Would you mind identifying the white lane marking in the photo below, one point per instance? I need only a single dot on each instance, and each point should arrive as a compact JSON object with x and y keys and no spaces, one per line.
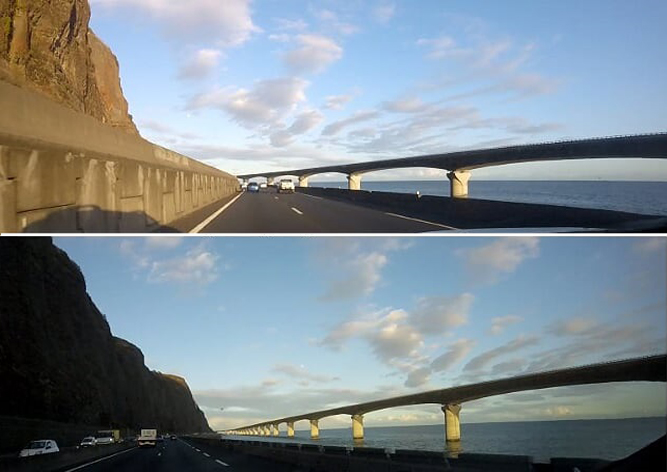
{"x":206,"y":455}
{"x":222,"y":463}
{"x":159,"y":454}
{"x":420,"y":221}
{"x":204,"y":223}
{"x":312,"y":196}
{"x":297,"y":211}
{"x":197,"y":450}
{"x":100,"y":460}
{"x":275,"y":198}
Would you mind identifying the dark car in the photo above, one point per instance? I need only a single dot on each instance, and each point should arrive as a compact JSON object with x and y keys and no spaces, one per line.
{"x":253,"y":187}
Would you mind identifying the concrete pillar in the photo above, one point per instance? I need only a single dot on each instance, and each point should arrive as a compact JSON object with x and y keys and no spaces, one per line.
{"x":314,"y":429}
{"x":267,"y":431}
{"x":269,"y":181}
{"x":354,"y":181}
{"x":303,"y":181}
{"x":276,"y":429}
{"x":452,"y":424}
{"x":357,"y":426}
{"x":290,"y":429}
{"x":458,"y":183}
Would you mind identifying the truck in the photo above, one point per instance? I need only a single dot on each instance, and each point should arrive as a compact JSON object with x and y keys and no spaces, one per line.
{"x":148,"y":438}
{"x":107,"y":436}
{"x":286,"y":185}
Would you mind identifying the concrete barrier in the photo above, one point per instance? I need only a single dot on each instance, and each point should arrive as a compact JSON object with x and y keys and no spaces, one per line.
{"x":62,"y":171}
{"x":478,"y":214}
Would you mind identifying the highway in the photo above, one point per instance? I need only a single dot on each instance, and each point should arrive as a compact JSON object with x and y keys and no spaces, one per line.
{"x":271,"y":212}
{"x":177,"y":456}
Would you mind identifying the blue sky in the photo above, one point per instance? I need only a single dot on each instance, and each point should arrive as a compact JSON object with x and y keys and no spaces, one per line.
{"x":270,"y":327}
{"x":267,"y":85}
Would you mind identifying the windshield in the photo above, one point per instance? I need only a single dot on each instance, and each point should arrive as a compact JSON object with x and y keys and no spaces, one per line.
{"x":36,"y":445}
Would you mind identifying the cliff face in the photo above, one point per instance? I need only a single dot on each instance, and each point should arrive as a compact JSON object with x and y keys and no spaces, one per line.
{"x":59,"y":360}
{"x":46,"y":45}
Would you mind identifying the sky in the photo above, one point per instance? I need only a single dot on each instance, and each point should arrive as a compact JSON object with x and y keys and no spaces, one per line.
{"x":270,"y":85}
{"x":263,"y":328}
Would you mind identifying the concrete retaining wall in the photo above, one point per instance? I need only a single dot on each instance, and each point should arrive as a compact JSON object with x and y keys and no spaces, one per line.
{"x":62,"y":171}
{"x":476,"y":214}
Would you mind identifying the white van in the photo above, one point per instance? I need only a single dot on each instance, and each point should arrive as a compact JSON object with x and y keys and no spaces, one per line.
{"x":42,"y":446}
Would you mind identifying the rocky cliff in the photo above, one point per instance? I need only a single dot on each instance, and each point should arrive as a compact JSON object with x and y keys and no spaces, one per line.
{"x":59,"y":360}
{"x":47,"y":46}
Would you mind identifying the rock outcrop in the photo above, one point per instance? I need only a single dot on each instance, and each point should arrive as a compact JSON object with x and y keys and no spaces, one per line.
{"x":47,"y":46}
{"x":59,"y":360}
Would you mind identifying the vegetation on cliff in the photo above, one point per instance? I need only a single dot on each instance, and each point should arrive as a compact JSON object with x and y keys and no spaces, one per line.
{"x":59,"y":360}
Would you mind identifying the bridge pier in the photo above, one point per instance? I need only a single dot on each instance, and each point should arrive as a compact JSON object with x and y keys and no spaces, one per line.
{"x":269,"y":181}
{"x":276,"y":429}
{"x":303,"y":181}
{"x":354,"y":181}
{"x":458,"y":183}
{"x":452,"y":424}
{"x":265,"y":431}
{"x":290,"y":429}
{"x":357,"y":426}
{"x":314,"y":429}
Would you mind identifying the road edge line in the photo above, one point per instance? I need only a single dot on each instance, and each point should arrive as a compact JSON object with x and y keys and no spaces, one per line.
{"x":208,"y":220}
{"x":101,"y":459}
{"x":222,"y":463}
{"x":420,"y":221}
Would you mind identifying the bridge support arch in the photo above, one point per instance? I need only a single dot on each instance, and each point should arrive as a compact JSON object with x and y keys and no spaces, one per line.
{"x":276,"y":429}
{"x":452,"y":423}
{"x":290,"y":429}
{"x":458,"y":183}
{"x":357,"y":426}
{"x":314,"y":429}
{"x":354,"y":181}
{"x":303,"y":181}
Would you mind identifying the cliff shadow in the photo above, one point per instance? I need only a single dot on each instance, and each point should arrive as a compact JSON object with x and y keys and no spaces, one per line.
{"x":93,"y":219}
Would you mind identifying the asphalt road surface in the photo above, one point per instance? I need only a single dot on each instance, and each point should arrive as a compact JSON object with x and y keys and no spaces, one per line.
{"x":271,"y":212}
{"x":178,"y":456}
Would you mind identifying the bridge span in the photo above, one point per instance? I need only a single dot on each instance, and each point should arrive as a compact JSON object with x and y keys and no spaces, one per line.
{"x":459,"y":164}
{"x":649,"y":369}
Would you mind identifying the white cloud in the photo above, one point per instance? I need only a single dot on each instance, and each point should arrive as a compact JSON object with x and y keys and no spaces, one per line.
{"x":280,"y":38}
{"x":267,"y":102}
{"x":290,"y":25}
{"x":358,"y":117}
{"x":226,"y":23}
{"x":405,"y":105}
{"x":441,"y":47}
{"x":572,"y":326}
{"x":303,"y":122}
{"x":418,"y":377}
{"x":336,"y":102}
{"x":383,"y":13}
{"x":361,"y":277}
{"x":481,"y":361}
{"x":314,"y":54}
{"x":438,"y":315}
{"x":559,"y":411}
{"x":300,"y":372}
{"x":201,"y":64}
{"x":455,"y":353}
{"x":502,"y":256}
{"x":197,"y":266}
{"x":650,"y":245}
{"x":162,"y":242}
{"x":498,"y":323}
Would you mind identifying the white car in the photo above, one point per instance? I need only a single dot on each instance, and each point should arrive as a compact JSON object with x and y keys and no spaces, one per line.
{"x":104,"y":440}
{"x":88,"y":441}
{"x":43,"y":446}
{"x":286,"y":185}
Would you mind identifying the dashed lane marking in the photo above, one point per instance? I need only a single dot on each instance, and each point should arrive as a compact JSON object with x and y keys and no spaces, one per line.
{"x":420,"y":221}
{"x":207,"y":455}
{"x":205,"y":223}
{"x":100,"y":460}
{"x":295,"y":210}
{"x":222,"y":463}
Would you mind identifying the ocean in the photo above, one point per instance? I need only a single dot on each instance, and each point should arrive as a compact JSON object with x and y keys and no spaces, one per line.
{"x":609,"y":439}
{"x":649,"y":198}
